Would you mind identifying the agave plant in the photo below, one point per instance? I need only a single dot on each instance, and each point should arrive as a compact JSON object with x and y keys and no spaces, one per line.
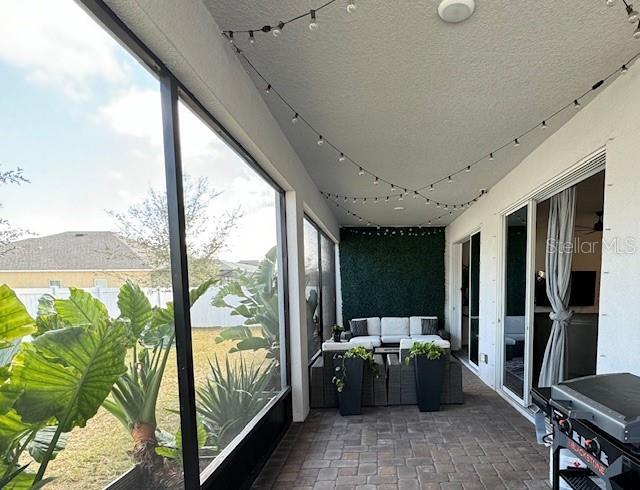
{"x":150,"y":336}
{"x":258,"y":293}
{"x":54,"y":383}
{"x":232,"y":396}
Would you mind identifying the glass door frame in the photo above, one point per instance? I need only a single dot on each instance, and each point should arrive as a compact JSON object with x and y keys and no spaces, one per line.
{"x":531,"y":205}
{"x":471,"y":292}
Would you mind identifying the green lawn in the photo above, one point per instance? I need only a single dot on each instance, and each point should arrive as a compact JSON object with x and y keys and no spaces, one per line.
{"x":99,"y":453}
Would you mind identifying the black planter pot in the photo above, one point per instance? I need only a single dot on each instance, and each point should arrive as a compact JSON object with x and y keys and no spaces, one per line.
{"x":350,"y":398}
{"x":429,"y":378}
{"x":336,"y":337}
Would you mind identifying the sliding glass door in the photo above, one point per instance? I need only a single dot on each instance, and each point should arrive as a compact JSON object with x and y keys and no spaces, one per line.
{"x":515,"y":332}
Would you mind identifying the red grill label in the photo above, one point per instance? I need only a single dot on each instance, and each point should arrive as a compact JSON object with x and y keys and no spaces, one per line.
{"x":587,"y":457}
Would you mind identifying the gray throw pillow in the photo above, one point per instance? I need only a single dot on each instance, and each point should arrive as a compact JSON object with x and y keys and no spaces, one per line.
{"x":358,"y":328}
{"x":429,"y":326}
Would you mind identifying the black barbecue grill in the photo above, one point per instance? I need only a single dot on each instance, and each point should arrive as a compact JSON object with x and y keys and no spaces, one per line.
{"x":597,"y":418}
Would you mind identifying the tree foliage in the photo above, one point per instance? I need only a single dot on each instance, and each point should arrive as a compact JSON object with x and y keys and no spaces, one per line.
{"x":9,"y":233}
{"x":145,"y":226}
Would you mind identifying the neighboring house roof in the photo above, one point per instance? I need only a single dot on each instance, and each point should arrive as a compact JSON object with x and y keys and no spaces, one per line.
{"x":73,"y":251}
{"x":227,"y":268}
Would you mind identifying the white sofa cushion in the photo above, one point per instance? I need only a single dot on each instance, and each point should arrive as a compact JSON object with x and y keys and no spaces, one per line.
{"x":369,"y":341}
{"x":393,"y":339}
{"x":407,"y":343}
{"x":373,"y":325}
{"x":415,"y":324}
{"x":390,"y":325}
{"x":331,"y":346}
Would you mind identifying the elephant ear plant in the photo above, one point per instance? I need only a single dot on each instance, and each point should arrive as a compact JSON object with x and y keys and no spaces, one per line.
{"x":53,"y":383}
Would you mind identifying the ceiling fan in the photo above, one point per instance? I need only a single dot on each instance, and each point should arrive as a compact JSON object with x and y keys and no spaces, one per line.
{"x":598,"y":226}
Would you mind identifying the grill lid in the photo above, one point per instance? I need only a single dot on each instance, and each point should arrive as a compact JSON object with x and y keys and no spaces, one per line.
{"x":609,"y":401}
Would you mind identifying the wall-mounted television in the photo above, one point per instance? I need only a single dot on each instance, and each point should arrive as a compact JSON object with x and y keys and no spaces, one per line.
{"x":583,"y":289}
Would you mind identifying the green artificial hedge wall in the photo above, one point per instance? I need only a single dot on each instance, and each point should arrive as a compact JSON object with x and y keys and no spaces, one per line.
{"x":392,"y":272}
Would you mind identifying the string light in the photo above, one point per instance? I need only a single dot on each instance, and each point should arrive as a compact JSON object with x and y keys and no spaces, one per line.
{"x":313,"y":23}
{"x":376,"y":181}
{"x":544,"y":125}
{"x":361,"y":172}
{"x":465,"y":168}
{"x":320,"y":140}
{"x":351,"y":6}
{"x":415,"y":194}
{"x":278,"y":29}
{"x":252,"y":38}
{"x":632,"y":14}
{"x":450,"y":180}
{"x":468,"y":169}
{"x":267,"y":90}
{"x":576,"y":104}
{"x":341,"y":158}
{"x":624,"y":68}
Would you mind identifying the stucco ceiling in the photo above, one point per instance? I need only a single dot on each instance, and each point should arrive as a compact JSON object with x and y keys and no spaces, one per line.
{"x":413,"y":98}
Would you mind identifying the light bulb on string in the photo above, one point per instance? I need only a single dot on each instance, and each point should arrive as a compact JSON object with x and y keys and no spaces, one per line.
{"x":401,"y":198}
{"x":386,"y":199}
{"x":624,"y":69}
{"x":544,"y":125}
{"x":294,"y":119}
{"x":491,"y":157}
{"x":427,"y":201}
{"x":632,"y":14}
{"x":576,"y":104}
{"x":450,"y":180}
{"x":341,"y":158}
{"x":393,"y":188}
{"x":468,"y":169}
{"x":376,"y":181}
{"x":611,"y":3}
{"x":516,"y":142}
{"x":313,"y":23}
{"x":230,"y":36}
{"x":432,"y":187}
{"x":267,"y":90}
{"x":415,"y":194}
{"x":351,"y":6}
{"x":252,"y":38}
{"x":278,"y":29}
{"x":320,"y":140}
{"x":361,"y":171}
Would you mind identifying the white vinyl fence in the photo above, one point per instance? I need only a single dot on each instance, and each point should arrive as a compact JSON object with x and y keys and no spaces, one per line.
{"x":203,"y":314}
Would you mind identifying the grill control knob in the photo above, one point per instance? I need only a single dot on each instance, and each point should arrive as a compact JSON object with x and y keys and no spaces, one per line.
{"x":592,"y":446}
{"x":565,"y":426}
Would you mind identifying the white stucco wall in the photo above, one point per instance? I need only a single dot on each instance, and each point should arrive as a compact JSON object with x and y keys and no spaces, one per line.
{"x":186,"y":38}
{"x":611,"y":120}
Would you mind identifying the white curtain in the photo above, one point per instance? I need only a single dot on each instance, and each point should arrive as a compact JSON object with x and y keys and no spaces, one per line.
{"x":559,"y":252}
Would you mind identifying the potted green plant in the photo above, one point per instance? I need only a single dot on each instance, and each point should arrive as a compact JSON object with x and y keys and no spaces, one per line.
{"x":349,"y":371}
{"x":337,"y":332}
{"x":428,"y":361}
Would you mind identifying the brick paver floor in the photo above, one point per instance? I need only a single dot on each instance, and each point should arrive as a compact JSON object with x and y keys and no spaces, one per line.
{"x":483,"y":444}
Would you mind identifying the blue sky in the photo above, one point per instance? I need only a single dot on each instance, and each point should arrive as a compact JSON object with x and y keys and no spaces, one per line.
{"x":82,"y":118}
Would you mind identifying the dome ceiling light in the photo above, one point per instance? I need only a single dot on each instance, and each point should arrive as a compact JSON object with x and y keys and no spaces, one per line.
{"x":455,"y":11}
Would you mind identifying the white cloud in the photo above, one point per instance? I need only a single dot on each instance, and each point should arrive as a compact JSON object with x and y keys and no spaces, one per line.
{"x":58,"y":45}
